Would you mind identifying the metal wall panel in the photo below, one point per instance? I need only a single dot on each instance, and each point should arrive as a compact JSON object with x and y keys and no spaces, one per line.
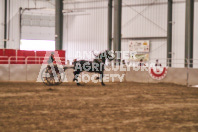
{"x":195,"y":52}
{"x":1,"y":24}
{"x":178,"y":38}
{"x":14,"y":19}
{"x":140,"y":18}
{"x":146,"y":18}
{"x":4,"y":72}
{"x":144,"y":21}
{"x":13,"y":42}
{"x":38,"y":33}
{"x":87,"y":32}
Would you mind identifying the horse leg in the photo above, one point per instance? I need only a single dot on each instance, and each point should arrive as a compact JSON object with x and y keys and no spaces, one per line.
{"x":76,"y":74}
{"x":97,"y":78}
{"x":101,"y":77}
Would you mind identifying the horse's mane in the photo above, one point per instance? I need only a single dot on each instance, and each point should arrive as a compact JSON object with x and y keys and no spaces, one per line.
{"x":102,"y":56}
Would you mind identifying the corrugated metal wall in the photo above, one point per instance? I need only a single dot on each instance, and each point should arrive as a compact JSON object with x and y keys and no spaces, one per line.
{"x":178,"y":39}
{"x":1,"y":24}
{"x":145,"y":18}
{"x":30,"y":31}
{"x":140,"y":18}
{"x":85,"y":29}
{"x":39,"y":24}
{"x":196,"y":34}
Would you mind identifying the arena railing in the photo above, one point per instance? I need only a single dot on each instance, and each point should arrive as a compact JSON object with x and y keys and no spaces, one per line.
{"x":43,"y":60}
{"x":193,"y":62}
{"x":176,"y":63}
{"x":28,"y":60}
{"x":4,"y":59}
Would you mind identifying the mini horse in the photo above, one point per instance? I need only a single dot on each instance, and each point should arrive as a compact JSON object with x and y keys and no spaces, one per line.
{"x":96,"y":66}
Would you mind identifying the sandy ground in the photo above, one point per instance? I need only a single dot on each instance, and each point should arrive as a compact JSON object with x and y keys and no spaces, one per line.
{"x":116,"y":107}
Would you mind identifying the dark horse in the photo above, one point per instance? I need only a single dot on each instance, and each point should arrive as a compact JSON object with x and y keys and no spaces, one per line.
{"x":96,"y":66}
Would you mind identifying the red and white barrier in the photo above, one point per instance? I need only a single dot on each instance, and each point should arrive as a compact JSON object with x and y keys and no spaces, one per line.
{"x":11,"y":56}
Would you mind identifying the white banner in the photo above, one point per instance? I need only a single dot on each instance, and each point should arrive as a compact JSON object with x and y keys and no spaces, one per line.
{"x":139,"y":46}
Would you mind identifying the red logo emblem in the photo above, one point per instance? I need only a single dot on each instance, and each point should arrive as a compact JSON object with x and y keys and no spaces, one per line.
{"x":157,"y":72}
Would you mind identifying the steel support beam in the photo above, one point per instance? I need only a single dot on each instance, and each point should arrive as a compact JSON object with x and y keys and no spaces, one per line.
{"x":109,"y":37}
{"x":189,"y":31}
{"x":5,"y":24}
{"x":21,"y":10}
{"x":59,"y":25}
{"x":117,"y":29}
{"x":169,"y":33}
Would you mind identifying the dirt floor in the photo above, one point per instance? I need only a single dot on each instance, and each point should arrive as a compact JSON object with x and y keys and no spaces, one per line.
{"x":116,"y":107}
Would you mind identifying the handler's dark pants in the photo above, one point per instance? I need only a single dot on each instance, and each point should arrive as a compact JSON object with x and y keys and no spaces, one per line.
{"x":49,"y":67}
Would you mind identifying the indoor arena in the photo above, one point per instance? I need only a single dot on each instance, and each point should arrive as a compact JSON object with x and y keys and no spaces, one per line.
{"x":99,"y":65}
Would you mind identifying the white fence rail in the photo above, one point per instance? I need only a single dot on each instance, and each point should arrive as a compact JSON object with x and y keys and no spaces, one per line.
{"x":28,"y":59}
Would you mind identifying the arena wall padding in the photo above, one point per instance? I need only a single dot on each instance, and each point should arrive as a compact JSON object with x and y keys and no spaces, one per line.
{"x":69,"y":75}
{"x":193,"y":76}
{"x":1,"y":52}
{"x":2,"y":59}
{"x":174,"y":75}
{"x":112,"y":76}
{"x":41,"y":54}
{"x":20,"y":60}
{"x":17,"y":72}
{"x":137,"y":76}
{"x":61,"y":54}
{"x":4,"y":72}
{"x":33,"y":72}
{"x":31,"y":55}
{"x":9,"y":53}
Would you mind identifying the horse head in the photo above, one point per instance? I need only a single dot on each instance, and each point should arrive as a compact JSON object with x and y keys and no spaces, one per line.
{"x":109,"y":55}
{"x":104,"y":55}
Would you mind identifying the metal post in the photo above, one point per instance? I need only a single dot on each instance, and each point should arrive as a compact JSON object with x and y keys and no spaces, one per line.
{"x":5,"y":25}
{"x":189,"y":32}
{"x":187,"y":78}
{"x":20,"y":23}
{"x":59,"y":25}
{"x":169,"y":33}
{"x":26,"y":68}
{"x":117,"y":29}
{"x":9,"y":66}
{"x":109,"y":37}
